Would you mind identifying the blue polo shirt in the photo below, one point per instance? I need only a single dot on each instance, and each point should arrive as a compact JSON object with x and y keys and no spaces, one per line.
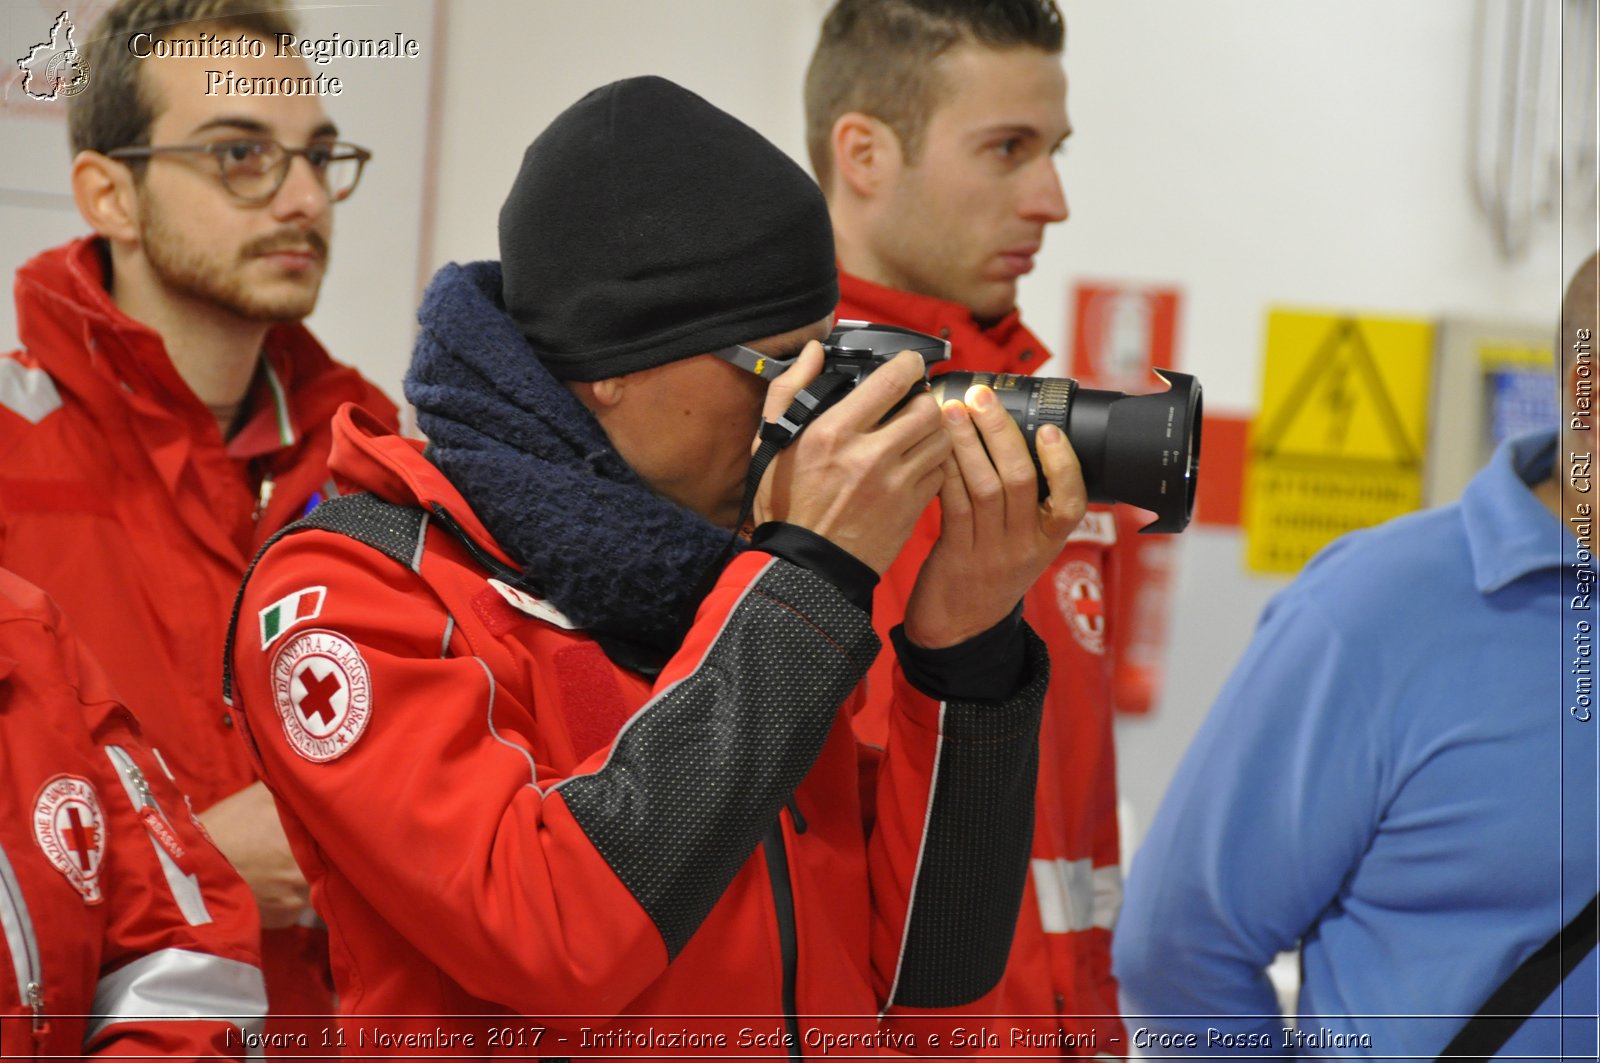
{"x":1400,"y":778}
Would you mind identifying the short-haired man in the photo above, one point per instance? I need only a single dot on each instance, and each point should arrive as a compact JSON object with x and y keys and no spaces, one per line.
{"x":168,"y":413}
{"x":557,"y":743}
{"x":932,"y":126}
{"x":1399,"y":778}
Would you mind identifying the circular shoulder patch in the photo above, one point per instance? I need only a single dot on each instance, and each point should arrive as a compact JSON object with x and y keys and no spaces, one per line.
{"x":1080,"y":595}
{"x":71,"y":829}
{"x":323,"y":693}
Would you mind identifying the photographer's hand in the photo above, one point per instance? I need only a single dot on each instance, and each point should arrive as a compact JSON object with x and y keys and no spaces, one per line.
{"x":996,"y":537}
{"x":859,"y":483}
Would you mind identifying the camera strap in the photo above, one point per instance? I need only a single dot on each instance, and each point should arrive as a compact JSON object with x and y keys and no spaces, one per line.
{"x":775,"y":435}
{"x":1524,"y":989}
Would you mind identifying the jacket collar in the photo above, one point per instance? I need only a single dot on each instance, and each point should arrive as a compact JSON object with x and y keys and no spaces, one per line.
{"x":1006,"y":346}
{"x":70,"y":325}
{"x":367,"y":456}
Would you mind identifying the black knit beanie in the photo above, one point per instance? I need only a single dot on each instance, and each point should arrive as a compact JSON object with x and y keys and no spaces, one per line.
{"x":646,"y":226}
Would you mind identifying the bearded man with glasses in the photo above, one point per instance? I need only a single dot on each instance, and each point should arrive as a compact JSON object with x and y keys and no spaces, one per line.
{"x":168,"y":412}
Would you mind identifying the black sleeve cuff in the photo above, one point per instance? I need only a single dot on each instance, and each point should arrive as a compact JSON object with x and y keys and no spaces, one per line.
{"x":801,"y":546}
{"x":986,"y":667}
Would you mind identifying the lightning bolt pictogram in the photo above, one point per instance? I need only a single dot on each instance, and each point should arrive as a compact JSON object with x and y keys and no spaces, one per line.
{"x":1341,"y":403}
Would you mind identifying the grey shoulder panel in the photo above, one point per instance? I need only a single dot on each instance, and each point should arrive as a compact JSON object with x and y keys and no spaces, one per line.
{"x":976,"y":849}
{"x":699,"y":774}
{"x":395,"y":531}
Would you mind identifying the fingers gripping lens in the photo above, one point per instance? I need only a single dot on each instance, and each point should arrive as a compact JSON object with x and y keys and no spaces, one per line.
{"x":1140,"y":449}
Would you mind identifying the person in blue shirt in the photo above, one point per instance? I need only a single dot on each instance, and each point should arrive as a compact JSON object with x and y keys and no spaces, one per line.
{"x":1399,"y":779}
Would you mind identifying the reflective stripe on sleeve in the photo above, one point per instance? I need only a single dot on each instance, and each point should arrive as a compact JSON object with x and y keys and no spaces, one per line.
{"x":1074,"y":895}
{"x":21,"y":940}
{"x":179,"y":984}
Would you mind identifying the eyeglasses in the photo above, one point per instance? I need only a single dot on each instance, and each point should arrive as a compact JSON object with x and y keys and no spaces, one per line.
{"x":851,"y":343}
{"x":762,"y":365}
{"x":253,"y":170}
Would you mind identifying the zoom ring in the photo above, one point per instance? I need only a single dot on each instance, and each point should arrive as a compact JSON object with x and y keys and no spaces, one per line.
{"x":1052,"y":400}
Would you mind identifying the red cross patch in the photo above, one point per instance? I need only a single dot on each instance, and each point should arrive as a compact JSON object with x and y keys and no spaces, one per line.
{"x":323,"y":693}
{"x":71,"y":829}
{"x":1081,"y":597}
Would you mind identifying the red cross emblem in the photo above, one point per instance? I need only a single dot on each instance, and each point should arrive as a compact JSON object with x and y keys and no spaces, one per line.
{"x":70,"y":829}
{"x":78,"y":838}
{"x":1081,"y":597}
{"x":1086,"y":605}
{"x":317,"y":704}
{"x":323,"y":693}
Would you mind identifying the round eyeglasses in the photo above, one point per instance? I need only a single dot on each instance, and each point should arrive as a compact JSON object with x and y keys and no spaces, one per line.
{"x":254,"y":169}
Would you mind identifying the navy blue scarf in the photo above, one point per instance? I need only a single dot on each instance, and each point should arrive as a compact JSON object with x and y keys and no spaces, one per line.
{"x":539,"y":471}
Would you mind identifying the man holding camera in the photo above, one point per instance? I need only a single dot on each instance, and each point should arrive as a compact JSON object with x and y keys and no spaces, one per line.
{"x":932,"y":126}
{"x":618,"y":735}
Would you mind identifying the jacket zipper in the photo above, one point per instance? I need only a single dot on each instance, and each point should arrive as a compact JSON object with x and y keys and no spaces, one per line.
{"x":133,"y":776}
{"x":173,"y":857}
{"x":24,"y":946}
{"x":149,"y":810}
{"x":783,"y":908}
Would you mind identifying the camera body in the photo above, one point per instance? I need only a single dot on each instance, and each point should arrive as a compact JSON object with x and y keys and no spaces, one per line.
{"x":856,"y":348}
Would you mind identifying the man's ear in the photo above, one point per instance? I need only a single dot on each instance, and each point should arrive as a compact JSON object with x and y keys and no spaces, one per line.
{"x":105,"y":193}
{"x":866,"y":153}
{"x":599,"y":395}
{"x":608,"y":392}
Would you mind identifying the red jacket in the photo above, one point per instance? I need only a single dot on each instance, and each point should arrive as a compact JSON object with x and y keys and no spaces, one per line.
{"x":497,"y":820}
{"x":120,"y":498}
{"x":122,"y":930}
{"x":1061,"y":959}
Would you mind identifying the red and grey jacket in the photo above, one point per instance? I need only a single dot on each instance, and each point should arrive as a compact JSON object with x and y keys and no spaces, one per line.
{"x":496,"y":819}
{"x":119,"y":496}
{"x":125,"y":932}
{"x":1060,"y":962}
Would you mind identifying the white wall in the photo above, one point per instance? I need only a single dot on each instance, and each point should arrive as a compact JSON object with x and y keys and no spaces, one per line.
{"x":1253,"y":152}
{"x":1261,"y":153}
{"x":746,"y":57}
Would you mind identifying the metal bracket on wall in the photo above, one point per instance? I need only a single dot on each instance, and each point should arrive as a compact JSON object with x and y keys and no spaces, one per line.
{"x":1533,"y":113}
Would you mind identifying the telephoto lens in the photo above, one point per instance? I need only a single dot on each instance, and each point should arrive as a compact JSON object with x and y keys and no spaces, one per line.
{"x":1140,"y":449}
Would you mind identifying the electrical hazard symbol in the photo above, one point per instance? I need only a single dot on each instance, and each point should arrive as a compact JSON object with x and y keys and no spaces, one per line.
{"x":1340,"y":439}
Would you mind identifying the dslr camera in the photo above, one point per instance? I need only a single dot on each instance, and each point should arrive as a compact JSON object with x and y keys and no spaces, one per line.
{"x":1140,"y":449}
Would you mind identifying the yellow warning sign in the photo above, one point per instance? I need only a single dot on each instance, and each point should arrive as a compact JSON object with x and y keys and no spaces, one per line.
{"x":1339,"y":441}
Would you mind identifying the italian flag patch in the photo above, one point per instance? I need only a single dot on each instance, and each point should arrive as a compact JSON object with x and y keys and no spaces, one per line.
{"x":285,"y":613}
